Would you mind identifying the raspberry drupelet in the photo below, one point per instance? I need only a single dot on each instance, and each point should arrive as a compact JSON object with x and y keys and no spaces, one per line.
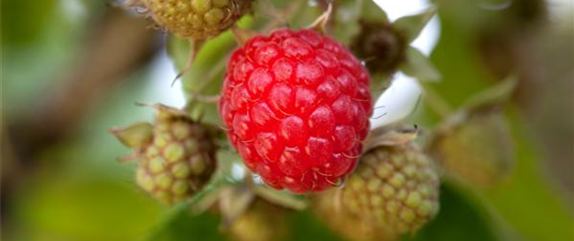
{"x":296,"y":105}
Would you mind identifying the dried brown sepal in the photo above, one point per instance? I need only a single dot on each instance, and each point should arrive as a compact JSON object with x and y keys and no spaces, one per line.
{"x":393,"y":136}
{"x":134,"y":156}
{"x":167,"y":113}
{"x":234,"y":202}
{"x":279,"y":198}
{"x":195,"y":46}
{"x":320,"y":24}
{"x":134,"y":3}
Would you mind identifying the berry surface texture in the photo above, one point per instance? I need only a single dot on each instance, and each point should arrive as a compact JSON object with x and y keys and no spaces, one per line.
{"x":394,"y":188}
{"x":199,"y":19}
{"x":179,"y":161}
{"x":296,"y":105}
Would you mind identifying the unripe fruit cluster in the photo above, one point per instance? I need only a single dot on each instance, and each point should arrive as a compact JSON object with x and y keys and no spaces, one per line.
{"x":178,"y":162}
{"x":262,"y":221}
{"x":197,"y":19}
{"x":477,"y":150}
{"x":176,"y":155}
{"x":394,"y":187}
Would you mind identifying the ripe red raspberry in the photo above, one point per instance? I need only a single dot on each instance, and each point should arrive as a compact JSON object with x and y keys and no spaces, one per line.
{"x":297,"y":107}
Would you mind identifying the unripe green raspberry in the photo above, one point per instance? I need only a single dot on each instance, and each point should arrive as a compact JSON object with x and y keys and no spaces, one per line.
{"x":178,"y":159}
{"x":395,"y":187}
{"x":197,"y":19}
{"x":262,"y":221}
{"x":393,"y":191}
{"x":475,"y":148}
{"x":351,"y":227}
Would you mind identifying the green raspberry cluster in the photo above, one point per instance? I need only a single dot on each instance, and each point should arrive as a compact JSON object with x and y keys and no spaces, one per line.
{"x":176,"y":155}
{"x":477,"y":150}
{"x":197,"y":19}
{"x":351,"y":227}
{"x":262,"y":221}
{"x":394,"y":188}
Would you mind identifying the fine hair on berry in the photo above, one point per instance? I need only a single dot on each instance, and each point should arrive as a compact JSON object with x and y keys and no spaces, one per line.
{"x":296,"y":105}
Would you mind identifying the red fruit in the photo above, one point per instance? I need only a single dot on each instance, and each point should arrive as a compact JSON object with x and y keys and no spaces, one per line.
{"x":295,"y":104}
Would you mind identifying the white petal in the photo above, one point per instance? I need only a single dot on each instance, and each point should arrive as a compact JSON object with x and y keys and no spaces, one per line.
{"x":397,"y":102}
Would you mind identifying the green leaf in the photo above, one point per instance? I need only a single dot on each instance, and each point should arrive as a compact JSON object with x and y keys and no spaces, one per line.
{"x":346,"y":20}
{"x":372,"y":12}
{"x":411,"y":26}
{"x":417,"y":65}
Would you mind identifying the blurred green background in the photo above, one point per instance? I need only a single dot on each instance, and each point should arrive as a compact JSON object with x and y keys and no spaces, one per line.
{"x":73,"y":68}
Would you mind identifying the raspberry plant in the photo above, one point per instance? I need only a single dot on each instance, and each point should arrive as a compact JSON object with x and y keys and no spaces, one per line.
{"x":296,"y":105}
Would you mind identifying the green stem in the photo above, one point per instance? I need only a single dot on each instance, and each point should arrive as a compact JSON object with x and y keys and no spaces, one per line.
{"x":171,"y":215}
{"x":435,"y":101}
